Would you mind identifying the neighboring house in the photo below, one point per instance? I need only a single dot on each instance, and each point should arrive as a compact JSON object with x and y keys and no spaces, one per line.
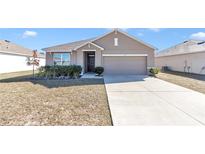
{"x":188,"y":56}
{"x":13,"y":57}
{"x":116,"y":51}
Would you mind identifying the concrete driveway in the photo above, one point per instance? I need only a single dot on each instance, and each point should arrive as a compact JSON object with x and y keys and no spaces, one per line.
{"x":143,"y":100}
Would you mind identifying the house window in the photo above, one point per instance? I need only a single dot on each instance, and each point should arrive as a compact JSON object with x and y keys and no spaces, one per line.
{"x":61,"y":58}
{"x":115,"y":41}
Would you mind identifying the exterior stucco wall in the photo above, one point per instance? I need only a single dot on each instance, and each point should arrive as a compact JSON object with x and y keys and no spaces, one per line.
{"x":49,"y":58}
{"x":98,"y":58}
{"x":15,"y":63}
{"x":196,"y":61}
{"x":73,"y":58}
{"x":126,"y":45}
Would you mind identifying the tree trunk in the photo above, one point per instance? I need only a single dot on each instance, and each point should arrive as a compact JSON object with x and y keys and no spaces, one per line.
{"x":33,"y":70}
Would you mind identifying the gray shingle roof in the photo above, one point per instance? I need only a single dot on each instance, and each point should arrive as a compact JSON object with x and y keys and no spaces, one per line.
{"x":12,"y":48}
{"x":67,"y":46}
{"x":189,"y":46}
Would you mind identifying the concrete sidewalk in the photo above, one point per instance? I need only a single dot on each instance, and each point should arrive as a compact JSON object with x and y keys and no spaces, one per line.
{"x":143,"y":100}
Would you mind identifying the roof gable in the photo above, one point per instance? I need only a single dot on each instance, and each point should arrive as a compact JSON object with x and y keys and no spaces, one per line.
{"x":89,"y":43}
{"x":128,"y":35}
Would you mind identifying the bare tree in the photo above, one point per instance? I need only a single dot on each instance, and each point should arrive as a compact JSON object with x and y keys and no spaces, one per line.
{"x":34,"y":61}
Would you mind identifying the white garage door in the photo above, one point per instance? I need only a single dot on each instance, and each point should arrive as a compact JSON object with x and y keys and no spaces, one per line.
{"x":125,"y":65}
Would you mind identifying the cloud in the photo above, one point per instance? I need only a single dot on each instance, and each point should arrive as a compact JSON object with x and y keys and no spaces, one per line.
{"x":199,"y":36}
{"x":29,"y":34}
{"x":154,"y":29}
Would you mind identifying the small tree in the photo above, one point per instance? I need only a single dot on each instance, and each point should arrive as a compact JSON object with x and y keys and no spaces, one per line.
{"x":33,"y":61}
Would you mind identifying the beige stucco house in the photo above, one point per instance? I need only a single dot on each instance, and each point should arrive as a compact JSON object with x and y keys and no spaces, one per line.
{"x":116,"y":51}
{"x":188,"y":56}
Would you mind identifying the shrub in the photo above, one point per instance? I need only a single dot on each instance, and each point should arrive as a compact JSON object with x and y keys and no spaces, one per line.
{"x":99,"y":70}
{"x":56,"y":71}
{"x":154,"y":71}
{"x":74,"y":71}
{"x":49,"y":71}
{"x":61,"y":70}
{"x":41,"y":72}
{"x":45,"y":71}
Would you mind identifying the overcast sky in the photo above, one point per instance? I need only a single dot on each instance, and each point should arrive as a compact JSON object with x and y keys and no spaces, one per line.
{"x":38,"y":38}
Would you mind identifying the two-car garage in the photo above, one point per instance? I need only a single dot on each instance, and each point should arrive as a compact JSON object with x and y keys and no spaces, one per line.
{"x":129,"y":64}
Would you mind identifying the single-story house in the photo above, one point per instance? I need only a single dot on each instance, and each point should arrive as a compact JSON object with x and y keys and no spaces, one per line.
{"x":14,"y":58}
{"x":116,"y":51}
{"x":188,"y":56}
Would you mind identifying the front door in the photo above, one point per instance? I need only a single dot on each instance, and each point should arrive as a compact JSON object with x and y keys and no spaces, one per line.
{"x":91,"y":62}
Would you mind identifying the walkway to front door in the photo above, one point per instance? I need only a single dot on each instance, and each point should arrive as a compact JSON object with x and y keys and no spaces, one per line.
{"x":143,"y":100}
{"x":91,"y":75}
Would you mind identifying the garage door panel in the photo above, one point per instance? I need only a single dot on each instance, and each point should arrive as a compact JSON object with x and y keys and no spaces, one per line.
{"x":124,"y":65}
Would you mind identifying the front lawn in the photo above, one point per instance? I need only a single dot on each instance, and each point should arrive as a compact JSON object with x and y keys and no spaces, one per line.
{"x":16,"y":75}
{"x":51,"y":102}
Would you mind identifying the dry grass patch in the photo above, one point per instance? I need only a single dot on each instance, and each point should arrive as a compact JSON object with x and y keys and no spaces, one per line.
{"x":194,"y":82}
{"x":16,"y":75}
{"x":73,"y":102}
